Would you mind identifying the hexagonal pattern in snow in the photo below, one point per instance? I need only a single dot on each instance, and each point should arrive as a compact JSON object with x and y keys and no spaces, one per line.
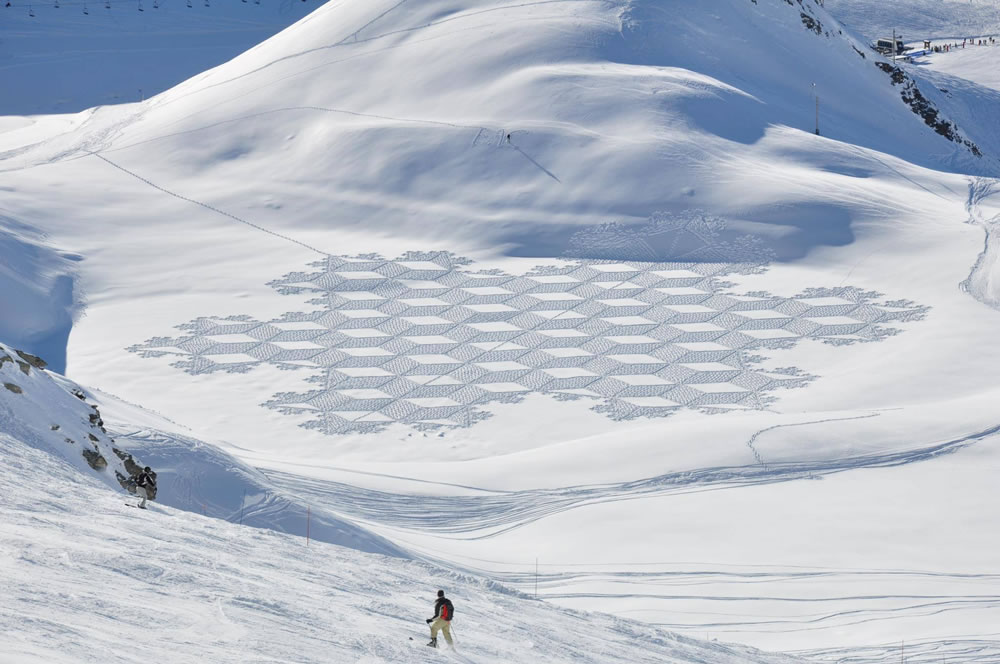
{"x":425,"y":340}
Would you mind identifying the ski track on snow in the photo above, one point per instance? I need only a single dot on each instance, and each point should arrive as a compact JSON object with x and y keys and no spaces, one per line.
{"x":86,"y":579}
{"x":692,"y":587}
{"x":982,"y":282}
{"x":487,"y":516}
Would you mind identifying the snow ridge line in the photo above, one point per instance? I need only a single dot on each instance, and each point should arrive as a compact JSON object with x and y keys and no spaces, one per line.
{"x":347,"y":41}
{"x":210,"y":207}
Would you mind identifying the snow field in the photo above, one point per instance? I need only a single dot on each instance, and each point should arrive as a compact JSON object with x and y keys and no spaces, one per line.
{"x":88,"y":579}
{"x":625,"y":120}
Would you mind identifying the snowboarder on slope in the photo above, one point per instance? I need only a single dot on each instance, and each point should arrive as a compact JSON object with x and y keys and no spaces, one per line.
{"x":441,"y":622}
{"x":145,"y":485}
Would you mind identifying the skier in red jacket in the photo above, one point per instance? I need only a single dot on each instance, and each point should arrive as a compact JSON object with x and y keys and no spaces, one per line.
{"x":444,"y":610}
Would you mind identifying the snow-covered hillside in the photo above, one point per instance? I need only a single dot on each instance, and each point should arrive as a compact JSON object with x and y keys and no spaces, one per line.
{"x":48,"y":412}
{"x":569,"y":281}
{"x":87,"y":579}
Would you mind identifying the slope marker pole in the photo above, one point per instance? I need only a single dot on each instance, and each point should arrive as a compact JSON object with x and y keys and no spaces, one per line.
{"x":816,"y":96}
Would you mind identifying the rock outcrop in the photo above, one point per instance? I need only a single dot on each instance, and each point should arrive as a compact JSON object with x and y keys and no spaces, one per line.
{"x":95,"y":459}
{"x":44,"y":408}
{"x":32,"y":360}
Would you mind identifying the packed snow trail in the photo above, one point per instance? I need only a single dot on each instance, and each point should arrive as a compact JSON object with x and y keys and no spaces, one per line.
{"x":493,"y":513}
{"x":87,"y":579}
{"x":209,"y":207}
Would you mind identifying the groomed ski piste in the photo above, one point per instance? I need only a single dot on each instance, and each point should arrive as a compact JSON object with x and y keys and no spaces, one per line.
{"x":562,"y":297}
{"x":88,"y":580}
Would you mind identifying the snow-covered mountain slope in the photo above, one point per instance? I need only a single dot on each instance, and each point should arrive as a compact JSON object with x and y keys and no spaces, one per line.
{"x":578,"y":344}
{"x":977,"y":64}
{"x":918,"y":19}
{"x":36,"y":292}
{"x":52,"y":414}
{"x":64,"y":56}
{"x":87,"y":579}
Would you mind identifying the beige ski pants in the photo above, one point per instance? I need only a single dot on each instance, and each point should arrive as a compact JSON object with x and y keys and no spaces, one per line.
{"x":443,"y":626}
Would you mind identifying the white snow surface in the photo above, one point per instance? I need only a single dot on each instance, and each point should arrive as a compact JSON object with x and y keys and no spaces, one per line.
{"x":87,"y":579}
{"x":55,"y":415}
{"x":662,"y":168}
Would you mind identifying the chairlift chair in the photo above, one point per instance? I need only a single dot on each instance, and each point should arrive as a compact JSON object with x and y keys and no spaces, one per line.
{"x":85,"y":12}
{"x":140,"y":5}
{"x":31,"y":12}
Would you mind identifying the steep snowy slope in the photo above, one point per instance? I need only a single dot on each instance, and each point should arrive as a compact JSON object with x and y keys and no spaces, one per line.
{"x":36,"y":292}
{"x":52,"y":414}
{"x":88,"y":580}
{"x":576,"y":343}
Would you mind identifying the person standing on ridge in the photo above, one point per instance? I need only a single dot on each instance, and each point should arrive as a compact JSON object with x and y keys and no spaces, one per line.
{"x":444,"y":611}
{"x":145,"y":485}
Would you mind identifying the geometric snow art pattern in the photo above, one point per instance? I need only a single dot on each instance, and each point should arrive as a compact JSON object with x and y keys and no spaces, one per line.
{"x":423,"y":340}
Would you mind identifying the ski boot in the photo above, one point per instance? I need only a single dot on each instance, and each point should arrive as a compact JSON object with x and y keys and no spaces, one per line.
{"x":433,"y":643}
